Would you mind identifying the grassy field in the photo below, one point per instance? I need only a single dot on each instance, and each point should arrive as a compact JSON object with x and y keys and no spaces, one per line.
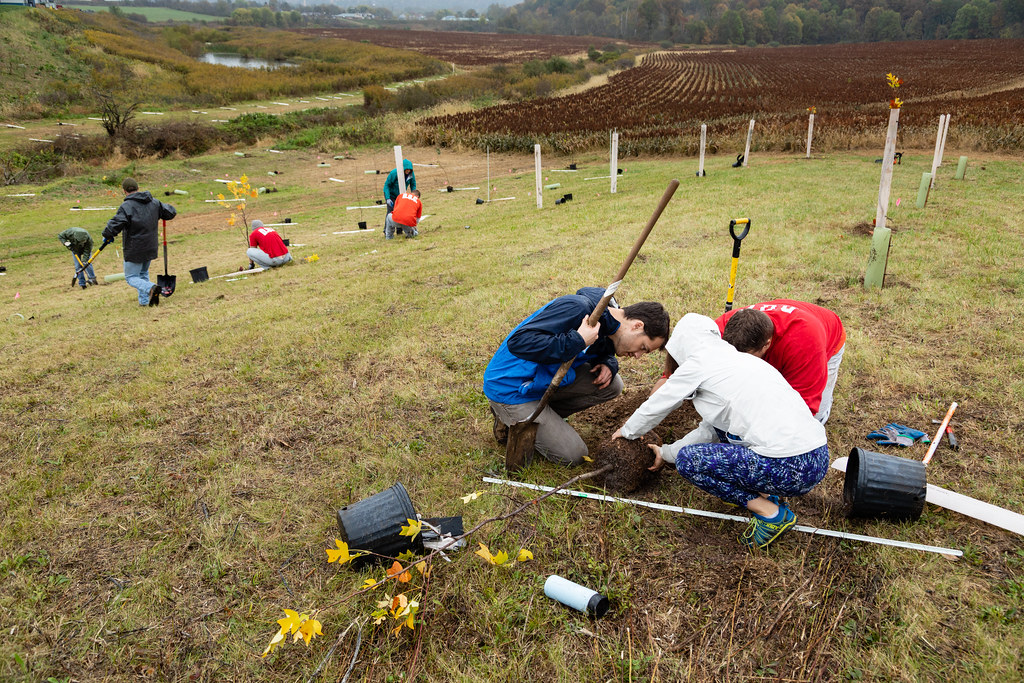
{"x":154,"y":13}
{"x":172,"y":473}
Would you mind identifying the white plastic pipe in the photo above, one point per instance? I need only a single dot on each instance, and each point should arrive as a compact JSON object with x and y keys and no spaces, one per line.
{"x":400,"y":172}
{"x":614,"y":171}
{"x":703,"y":146}
{"x":572,"y":594}
{"x":537,"y":173}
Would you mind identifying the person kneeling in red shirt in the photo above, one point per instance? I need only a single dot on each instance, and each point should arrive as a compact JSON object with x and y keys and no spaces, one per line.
{"x":405,"y":216}
{"x":266,"y":248}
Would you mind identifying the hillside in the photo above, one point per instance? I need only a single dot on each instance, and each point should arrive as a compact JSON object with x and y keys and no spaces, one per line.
{"x":59,"y":63}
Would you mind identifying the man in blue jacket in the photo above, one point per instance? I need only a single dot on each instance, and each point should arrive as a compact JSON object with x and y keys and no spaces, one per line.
{"x":392,"y":190}
{"x":138,"y":222}
{"x":523,"y":366}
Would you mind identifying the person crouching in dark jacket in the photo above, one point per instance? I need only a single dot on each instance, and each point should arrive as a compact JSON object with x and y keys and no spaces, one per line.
{"x":138,"y":218}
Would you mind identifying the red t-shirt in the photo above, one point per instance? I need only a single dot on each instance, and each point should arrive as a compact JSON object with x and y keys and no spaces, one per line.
{"x":269,"y":241}
{"x":408,"y":210}
{"x":806,"y":336}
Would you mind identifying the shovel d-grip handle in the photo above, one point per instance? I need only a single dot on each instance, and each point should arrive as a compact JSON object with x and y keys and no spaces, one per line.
{"x":737,"y":240}
{"x":602,"y":305}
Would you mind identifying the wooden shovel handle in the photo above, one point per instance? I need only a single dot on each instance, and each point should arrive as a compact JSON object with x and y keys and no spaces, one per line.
{"x":602,"y":305}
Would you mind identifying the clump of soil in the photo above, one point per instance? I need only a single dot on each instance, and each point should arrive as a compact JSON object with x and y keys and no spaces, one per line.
{"x":630,"y":460}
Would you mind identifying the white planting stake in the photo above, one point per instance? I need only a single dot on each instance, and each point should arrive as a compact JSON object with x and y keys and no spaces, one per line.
{"x":353,"y":232}
{"x":732,"y":518}
{"x":938,"y":435}
{"x":965,"y":505}
{"x":746,"y":150}
{"x":336,"y":180}
{"x":810,"y":133}
{"x":94,"y":208}
{"x":888,"y":158}
{"x":29,"y":194}
{"x":537,"y":174}
{"x":374,"y":206}
{"x":614,"y":171}
{"x":942,"y":147}
{"x":283,"y":104}
{"x":39,"y":140}
{"x":399,"y":171}
{"x":703,"y":145}
{"x":938,"y":145}
{"x":488,"y":173}
{"x":598,"y":177}
{"x":152,"y":113}
{"x":226,"y":200}
{"x":275,"y":151}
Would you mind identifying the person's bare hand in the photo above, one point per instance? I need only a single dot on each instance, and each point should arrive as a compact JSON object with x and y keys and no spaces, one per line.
{"x":587,"y":331}
{"x":604,"y":376}
{"x":617,"y":434}
{"x":658,"y":462}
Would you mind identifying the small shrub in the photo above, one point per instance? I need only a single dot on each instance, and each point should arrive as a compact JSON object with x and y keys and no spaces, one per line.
{"x":375,"y":98}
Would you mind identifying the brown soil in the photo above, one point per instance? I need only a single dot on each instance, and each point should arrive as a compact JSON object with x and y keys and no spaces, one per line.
{"x":630,"y":460}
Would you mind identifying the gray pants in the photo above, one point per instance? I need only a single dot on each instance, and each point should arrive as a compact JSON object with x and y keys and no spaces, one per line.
{"x":390,"y":226}
{"x":556,"y":440}
{"x":260,"y":258}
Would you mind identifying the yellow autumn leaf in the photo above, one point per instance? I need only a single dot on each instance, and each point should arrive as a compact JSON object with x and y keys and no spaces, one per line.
{"x":275,"y":641}
{"x":290,"y":622}
{"x":472,"y":496}
{"x":422,"y":568}
{"x":588,"y":458}
{"x":370,"y":583}
{"x":309,"y":628}
{"x":244,"y":179}
{"x":231,"y":221}
{"x":501,"y":558}
{"x":254,"y":193}
{"x":406,"y":556}
{"x":395,"y":570}
{"x":485,"y":553}
{"x":220,"y":197}
{"x":524,"y":556}
{"x":341,"y":555}
{"x":412,"y":529}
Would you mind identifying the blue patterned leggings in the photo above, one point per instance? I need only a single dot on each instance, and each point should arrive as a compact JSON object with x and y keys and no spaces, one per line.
{"x":737,"y":474}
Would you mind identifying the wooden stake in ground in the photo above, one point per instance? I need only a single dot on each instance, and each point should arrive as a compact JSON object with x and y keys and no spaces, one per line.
{"x":615,"y":162}
{"x":810,"y":133}
{"x":938,"y":146}
{"x":942,"y":147}
{"x":746,"y":150}
{"x":878,"y":257}
{"x":537,"y":173}
{"x":703,"y":144}
{"x":399,"y":169}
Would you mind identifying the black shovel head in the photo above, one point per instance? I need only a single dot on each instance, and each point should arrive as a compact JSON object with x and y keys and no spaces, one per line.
{"x":166,"y":284}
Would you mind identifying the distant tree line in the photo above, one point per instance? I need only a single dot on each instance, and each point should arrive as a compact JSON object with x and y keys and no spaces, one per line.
{"x":761,"y":22}
{"x":250,"y":13}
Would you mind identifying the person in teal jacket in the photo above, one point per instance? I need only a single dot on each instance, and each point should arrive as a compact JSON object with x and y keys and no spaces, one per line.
{"x":392,"y":190}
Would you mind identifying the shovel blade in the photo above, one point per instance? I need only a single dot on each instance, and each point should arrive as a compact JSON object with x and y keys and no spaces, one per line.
{"x":166,"y":284}
{"x":519,"y":449}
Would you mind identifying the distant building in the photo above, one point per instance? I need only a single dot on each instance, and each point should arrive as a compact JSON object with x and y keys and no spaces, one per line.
{"x":354,"y":15}
{"x":452,"y":17}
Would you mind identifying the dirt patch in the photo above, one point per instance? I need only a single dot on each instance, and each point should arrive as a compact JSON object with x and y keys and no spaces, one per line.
{"x":630,"y":460}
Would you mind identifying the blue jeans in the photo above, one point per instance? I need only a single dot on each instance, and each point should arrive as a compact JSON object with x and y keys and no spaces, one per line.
{"x":137,"y":276}
{"x":87,"y":272}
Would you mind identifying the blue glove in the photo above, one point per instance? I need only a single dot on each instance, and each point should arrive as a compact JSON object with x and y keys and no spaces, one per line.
{"x":894,"y":434}
{"x":106,"y":241}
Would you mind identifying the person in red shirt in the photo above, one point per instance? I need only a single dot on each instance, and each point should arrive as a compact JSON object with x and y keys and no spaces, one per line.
{"x":266,"y":248}
{"x":804,"y":342}
{"x":405,"y":216}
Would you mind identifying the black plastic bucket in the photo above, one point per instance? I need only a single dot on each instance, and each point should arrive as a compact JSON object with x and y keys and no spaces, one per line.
{"x":567,"y":197}
{"x":375,"y":523}
{"x":199,"y":274}
{"x":362,"y":225}
{"x":884,"y":486}
{"x":287,"y":242}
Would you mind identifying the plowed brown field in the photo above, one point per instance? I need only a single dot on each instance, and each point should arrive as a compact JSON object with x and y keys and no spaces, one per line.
{"x":981,"y":83}
{"x":469,"y":48}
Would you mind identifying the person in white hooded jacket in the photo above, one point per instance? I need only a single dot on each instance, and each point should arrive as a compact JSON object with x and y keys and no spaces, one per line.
{"x":757,"y":440}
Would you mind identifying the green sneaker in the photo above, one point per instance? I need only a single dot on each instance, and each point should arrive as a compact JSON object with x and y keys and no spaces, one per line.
{"x":762,"y":532}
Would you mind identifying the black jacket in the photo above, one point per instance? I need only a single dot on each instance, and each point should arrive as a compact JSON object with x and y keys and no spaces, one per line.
{"x":139,"y":217}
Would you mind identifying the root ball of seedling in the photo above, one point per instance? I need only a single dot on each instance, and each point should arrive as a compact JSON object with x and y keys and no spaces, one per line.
{"x":629,"y":460}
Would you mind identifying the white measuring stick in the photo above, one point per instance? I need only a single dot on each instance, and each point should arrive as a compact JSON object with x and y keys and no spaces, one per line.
{"x":732,"y":518}
{"x":965,"y":505}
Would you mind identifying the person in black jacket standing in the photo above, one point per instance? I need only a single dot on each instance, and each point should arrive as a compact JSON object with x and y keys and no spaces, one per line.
{"x":139,"y":219}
